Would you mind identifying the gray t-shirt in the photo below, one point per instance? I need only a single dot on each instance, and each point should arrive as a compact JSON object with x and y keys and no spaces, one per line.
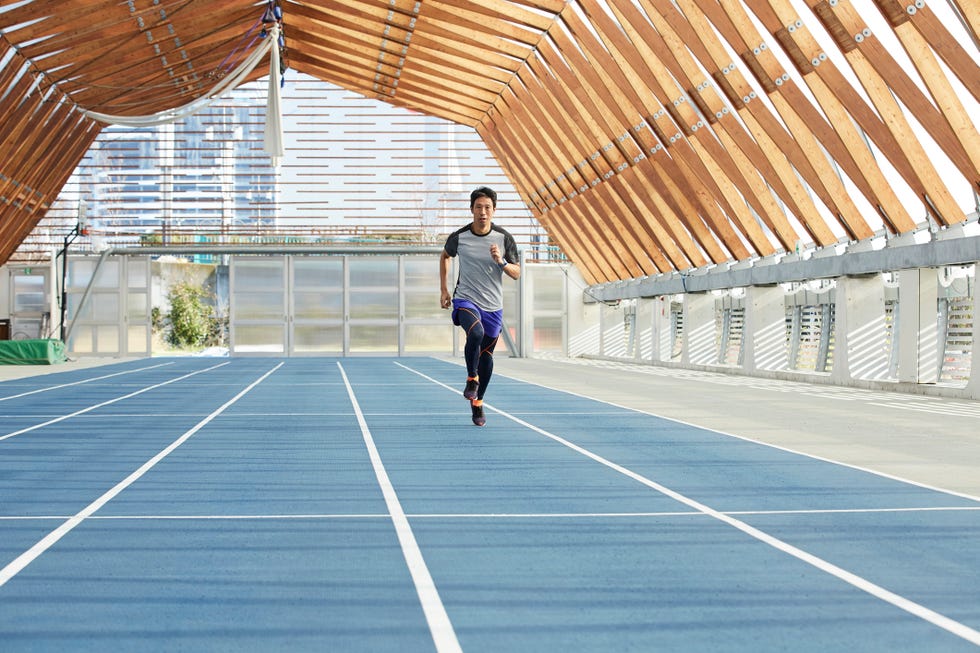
{"x":479,"y":276}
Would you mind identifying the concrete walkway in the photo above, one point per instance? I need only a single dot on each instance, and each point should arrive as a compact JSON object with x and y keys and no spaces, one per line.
{"x":928,"y":440}
{"x":10,"y":372}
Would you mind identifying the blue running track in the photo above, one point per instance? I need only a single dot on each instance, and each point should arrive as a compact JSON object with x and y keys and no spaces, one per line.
{"x":258,"y":504}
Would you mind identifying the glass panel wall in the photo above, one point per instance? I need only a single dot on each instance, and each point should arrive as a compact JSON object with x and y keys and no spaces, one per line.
{"x":318,"y":305}
{"x":291,"y":305}
{"x":373,"y":304}
{"x":426,"y":326}
{"x":98,"y":325}
{"x":547,"y":307}
{"x":258,"y":305}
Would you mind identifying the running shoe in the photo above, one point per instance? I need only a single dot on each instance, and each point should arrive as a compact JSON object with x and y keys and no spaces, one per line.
{"x":472,"y":383}
{"x":478,"y":418}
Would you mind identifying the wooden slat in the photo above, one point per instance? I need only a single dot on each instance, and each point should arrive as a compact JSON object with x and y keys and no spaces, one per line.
{"x":625,"y":125}
{"x":657,"y":210}
{"x":588,"y":218}
{"x":603,"y":156}
{"x":53,"y":171}
{"x":557,"y":233}
{"x":111,"y":25}
{"x":842,"y":21}
{"x":604,"y":244}
{"x":467,"y":35}
{"x":795,"y":140}
{"x":963,"y":146}
{"x":571,"y":160}
{"x":834,"y":128}
{"x":505,"y":19}
{"x":514,"y":167}
{"x":567,"y":143}
{"x":624,"y":206}
{"x":969,"y":10}
{"x":565,"y":85}
{"x":834,"y":91}
{"x":510,"y":130}
{"x":777,"y":146}
{"x":574,"y":141}
{"x":962,"y":63}
{"x":577,"y":251}
{"x":739,"y":155}
{"x":693,"y":153}
{"x":883,"y":79}
{"x":52,"y":117}
{"x":132,"y":83}
{"x":526,"y":122}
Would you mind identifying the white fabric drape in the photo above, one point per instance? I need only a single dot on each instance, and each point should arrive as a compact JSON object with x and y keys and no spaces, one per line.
{"x":229,"y":82}
{"x":272,"y":142}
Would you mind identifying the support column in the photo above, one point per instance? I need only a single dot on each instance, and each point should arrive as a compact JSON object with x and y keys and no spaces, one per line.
{"x":662,"y":333}
{"x":860,"y":349}
{"x":612,"y":334}
{"x":662,"y":343}
{"x":700,"y":347}
{"x":5,"y":293}
{"x":645,"y":309}
{"x":918,"y":328}
{"x":581,"y":319}
{"x":973,"y":385}
{"x":764,"y":331}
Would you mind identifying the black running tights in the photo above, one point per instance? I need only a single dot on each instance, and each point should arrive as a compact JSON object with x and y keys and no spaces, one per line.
{"x":478,"y":350}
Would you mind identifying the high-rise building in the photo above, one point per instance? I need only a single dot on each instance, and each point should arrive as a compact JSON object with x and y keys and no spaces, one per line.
{"x":355,"y":169}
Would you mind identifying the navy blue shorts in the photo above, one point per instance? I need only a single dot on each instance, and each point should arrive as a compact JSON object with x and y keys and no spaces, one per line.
{"x":493,"y":321}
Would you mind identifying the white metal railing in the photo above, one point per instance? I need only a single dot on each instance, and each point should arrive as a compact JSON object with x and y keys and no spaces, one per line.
{"x":865,"y":330}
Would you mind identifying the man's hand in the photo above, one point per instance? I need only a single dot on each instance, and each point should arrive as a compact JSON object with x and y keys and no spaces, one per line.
{"x":495,"y":255}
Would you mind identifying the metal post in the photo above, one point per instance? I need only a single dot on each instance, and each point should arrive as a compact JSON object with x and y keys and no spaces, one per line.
{"x":69,"y":239}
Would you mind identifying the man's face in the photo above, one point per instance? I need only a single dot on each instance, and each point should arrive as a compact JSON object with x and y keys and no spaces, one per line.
{"x":482,"y":214}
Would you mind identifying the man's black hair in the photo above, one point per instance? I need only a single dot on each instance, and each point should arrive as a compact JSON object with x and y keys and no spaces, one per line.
{"x":483,"y":191}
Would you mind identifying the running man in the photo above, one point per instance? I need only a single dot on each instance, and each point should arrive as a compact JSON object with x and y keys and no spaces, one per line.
{"x":486,"y":252}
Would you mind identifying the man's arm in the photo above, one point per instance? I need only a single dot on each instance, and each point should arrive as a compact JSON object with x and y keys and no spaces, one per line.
{"x":445,"y":298}
{"x":512,"y":270}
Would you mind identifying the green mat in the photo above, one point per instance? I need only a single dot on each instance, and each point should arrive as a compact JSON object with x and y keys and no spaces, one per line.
{"x":32,"y":352}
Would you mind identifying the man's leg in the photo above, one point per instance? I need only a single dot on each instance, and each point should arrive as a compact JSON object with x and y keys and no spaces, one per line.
{"x":469,"y":321}
{"x":485,"y":367}
{"x":493,"y":321}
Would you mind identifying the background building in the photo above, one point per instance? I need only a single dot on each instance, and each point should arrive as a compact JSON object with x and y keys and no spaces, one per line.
{"x":354,"y":169}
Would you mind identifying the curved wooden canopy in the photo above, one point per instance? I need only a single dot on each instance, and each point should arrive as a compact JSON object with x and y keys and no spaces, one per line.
{"x":644,"y":135}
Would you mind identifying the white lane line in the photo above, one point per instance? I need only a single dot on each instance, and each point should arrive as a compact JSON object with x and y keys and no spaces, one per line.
{"x":68,"y":385}
{"x":29,"y":556}
{"x":440,"y":627}
{"x":242,"y":415}
{"x":877,"y":591}
{"x":811,"y":389}
{"x":744,"y":438}
{"x":495,"y":515}
{"x":106,"y":403}
{"x":201,"y":517}
{"x":969,"y":411}
{"x":508,"y":515}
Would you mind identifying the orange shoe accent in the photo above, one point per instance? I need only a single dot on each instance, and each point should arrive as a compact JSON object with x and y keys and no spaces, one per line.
{"x":472,"y":386}
{"x":476,"y":406}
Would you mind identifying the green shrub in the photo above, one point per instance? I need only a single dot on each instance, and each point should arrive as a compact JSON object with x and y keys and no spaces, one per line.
{"x":190,"y":316}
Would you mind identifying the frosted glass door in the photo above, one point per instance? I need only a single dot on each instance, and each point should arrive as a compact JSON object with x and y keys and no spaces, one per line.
{"x":258,"y":305}
{"x":317,"y":322}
